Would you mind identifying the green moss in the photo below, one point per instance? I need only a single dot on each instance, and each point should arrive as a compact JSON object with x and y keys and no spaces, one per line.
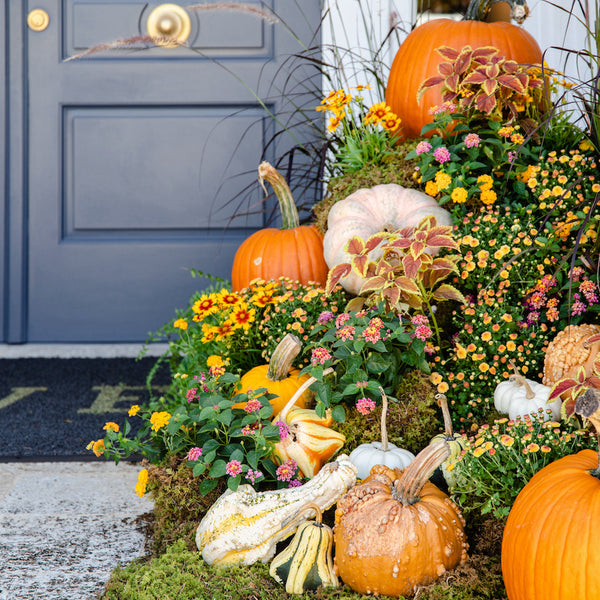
{"x":181,"y":574}
{"x":396,"y":169}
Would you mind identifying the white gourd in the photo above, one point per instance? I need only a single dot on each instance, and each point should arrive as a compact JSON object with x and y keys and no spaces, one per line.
{"x":385,"y":453}
{"x":244,"y":526}
{"x":518,"y":396}
{"x":367,"y":211}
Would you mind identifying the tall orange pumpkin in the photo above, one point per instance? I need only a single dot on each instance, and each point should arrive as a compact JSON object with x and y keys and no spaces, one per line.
{"x":416,"y":61}
{"x":550,"y":547}
{"x":294,"y":251}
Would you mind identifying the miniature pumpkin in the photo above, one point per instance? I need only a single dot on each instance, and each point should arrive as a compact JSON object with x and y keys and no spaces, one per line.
{"x":277,"y":377}
{"x":416,"y":60}
{"x":519,"y":396}
{"x":441,"y":476}
{"x":366,"y":456}
{"x":294,"y":251}
{"x":367,"y":211}
{"x":309,"y":441}
{"x":244,"y":526}
{"x":549,"y":545}
{"x":569,"y":350}
{"x":396,"y":530}
{"x":306,"y":564}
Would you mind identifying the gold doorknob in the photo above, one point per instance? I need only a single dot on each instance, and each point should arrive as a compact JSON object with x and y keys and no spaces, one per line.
{"x":38,"y":19}
{"x":169,"y":25}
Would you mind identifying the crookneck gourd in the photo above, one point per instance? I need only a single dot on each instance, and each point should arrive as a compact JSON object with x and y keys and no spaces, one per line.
{"x":244,"y":526}
{"x":306,"y":564}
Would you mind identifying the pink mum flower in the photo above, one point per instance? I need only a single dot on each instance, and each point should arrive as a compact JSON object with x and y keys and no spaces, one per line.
{"x":345,"y":333}
{"x":252,"y":476}
{"x":365,"y":405}
{"x":423,"y":332}
{"x":284,"y":430}
{"x":472,"y":140}
{"x":423,"y":147}
{"x":253,"y":405}
{"x":191,"y":394}
{"x":325,"y":317}
{"x":441,"y":154}
{"x":341,"y":319}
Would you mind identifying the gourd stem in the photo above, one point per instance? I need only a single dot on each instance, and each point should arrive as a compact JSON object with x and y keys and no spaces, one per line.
{"x":312,"y":506}
{"x":417,"y":473}
{"x":289,"y":212}
{"x":478,"y":10}
{"x":520,"y":380}
{"x":588,"y":406}
{"x":384,"y":409}
{"x":448,"y":430}
{"x":283,"y":356}
{"x":299,"y":392}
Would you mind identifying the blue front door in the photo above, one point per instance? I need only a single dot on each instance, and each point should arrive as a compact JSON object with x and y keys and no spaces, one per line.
{"x":136,"y":161}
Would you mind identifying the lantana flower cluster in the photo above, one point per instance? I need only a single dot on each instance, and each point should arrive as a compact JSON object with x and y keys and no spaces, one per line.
{"x":501,"y":458}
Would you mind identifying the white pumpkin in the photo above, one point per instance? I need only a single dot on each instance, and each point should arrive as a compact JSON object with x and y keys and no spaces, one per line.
{"x":518,"y":396}
{"x":367,"y":211}
{"x":366,"y":456}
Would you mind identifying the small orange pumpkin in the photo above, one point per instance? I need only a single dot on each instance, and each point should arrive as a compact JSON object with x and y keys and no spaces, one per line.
{"x":416,"y":61}
{"x":549,"y":546}
{"x":295,"y":251}
{"x":278,"y":377}
{"x":396,"y":530}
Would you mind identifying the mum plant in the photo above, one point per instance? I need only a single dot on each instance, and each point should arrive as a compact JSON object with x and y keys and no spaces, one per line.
{"x":501,"y":458}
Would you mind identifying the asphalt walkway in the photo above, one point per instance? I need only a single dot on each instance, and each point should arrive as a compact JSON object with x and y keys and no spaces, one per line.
{"x":65,"y":526}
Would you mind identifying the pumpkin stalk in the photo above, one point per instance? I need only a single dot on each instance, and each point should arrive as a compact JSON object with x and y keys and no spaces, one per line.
{"x":316,"y":508}
{"x":287,"y":206}
{"x":286,"y":409}
{"x":520,"y":380}
{"x":448,"y":429}
{"x":416,"y":475}
{"x":588,"y":406}
{"x":384,"y":409}
{"x":283,"y":356}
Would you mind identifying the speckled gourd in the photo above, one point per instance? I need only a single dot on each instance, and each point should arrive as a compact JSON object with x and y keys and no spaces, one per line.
{"x":244,"y":526}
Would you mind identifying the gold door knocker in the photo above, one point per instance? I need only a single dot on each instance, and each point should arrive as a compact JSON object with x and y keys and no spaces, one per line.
{"x":169,"y":25}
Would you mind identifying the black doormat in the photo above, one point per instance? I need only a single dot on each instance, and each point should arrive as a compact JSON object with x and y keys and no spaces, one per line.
{"x":51,"y":408}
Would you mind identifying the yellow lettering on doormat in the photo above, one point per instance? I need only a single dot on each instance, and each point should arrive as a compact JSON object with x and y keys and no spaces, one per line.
{"x":109,"y":395}
{"x":18,"y":393}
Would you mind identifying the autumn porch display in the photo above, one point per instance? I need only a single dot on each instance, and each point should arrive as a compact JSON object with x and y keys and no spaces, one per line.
{"x":416,"y":60}
{"x":294,"y":251}
{"x":396,"y":531}
{"x":550,"y":549}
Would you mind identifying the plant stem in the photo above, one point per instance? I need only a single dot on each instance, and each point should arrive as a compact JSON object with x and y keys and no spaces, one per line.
{"x":425,"y":298}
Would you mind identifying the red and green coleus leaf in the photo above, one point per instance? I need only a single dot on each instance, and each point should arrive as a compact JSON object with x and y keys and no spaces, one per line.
{"x":335,"y":275}
{"x":448,"y":292}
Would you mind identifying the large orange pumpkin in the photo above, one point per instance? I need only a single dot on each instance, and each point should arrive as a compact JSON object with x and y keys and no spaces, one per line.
{"x":294,"y":251}
{"x":416,"y":61}
{"x":396,"y":531}
{"x":550,"y":547}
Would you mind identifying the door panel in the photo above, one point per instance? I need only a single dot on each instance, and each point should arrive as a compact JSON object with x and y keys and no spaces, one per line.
{"x":137,"y":159}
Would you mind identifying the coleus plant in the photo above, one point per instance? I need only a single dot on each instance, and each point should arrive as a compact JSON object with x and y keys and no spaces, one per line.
{"x":400,"y":270}
{"x":480,"y":79}
{"x":571,"y":388}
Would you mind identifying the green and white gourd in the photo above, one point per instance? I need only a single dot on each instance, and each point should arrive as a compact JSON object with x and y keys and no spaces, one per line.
{"x":385,"y":453}
{"x":244,"y":526}
{"x":307,"y":563}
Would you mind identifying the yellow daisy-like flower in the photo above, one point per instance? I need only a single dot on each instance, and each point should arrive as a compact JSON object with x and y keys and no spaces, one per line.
{"x":507,"y":440}
{"x":435,"y":378}
{"x":391,"y":122}
{"x":242,"y":317}
{"x":511,"y":346}
{"x":479,"y":451}
{"x":134,"y":410}
{"x":159,"y":420}
{"x":486,"y":336}
{"x":205,"y":305}
{"x":181,"y":324}
{"x":376,"y":113}
{"x":110,"y":426}
{"x":461,"y":352}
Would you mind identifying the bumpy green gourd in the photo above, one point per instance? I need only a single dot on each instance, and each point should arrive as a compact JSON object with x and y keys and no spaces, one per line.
{"x":306,"y":564}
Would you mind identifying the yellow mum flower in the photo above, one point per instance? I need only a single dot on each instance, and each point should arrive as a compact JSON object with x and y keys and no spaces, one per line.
{"x":134,"y":410}
{"x":459,"y":195}
{"x":181,"y":324}
{"x":486,"y":182}
{"x":140,"y":486}
{"x":431,"y":188}
{"x":442,"y":180}
{"x":488,"y":197}
{"x":214,"y":360}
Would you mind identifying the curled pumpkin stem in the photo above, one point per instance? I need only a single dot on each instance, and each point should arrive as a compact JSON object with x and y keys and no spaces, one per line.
{"x":283,"y":356}
{"x":520,"y":380}
{"x":408,"y":488}
{"x":289,"y":212}
{"x":448,"y":429}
